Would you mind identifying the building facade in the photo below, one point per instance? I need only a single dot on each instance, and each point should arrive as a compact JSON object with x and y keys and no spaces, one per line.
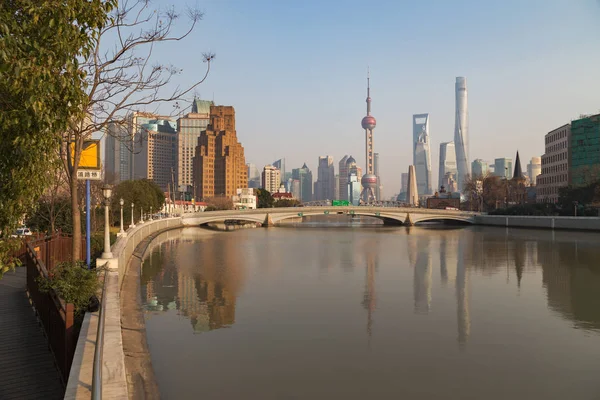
{"x":479,"y":168}
{"x":325,"y":184}
{"x":305,"y":183}
{"x":503,"y":167}
{"x":422,"y":153}
{"x":189,"y":128}
{"x":412,"y":191}
{"x":271,"y":179}
{"x":254,"y":176}
{"x":379,"y":188}
{"x":447,"y":161}
{"x":114,"y":166}
{"x":461,"y":132}
{"x":354,"y":189}
{"x":219,"y":162}
{"x":534,"y":168}
{"x":343,"y":181}
{"x":155,"y":158}
{"x":280,"y":165}
{"x":585,"y":150}
{"x":555,"y":164}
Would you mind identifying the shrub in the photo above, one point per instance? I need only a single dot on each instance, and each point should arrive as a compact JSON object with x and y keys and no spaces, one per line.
{"x":73,"y":283}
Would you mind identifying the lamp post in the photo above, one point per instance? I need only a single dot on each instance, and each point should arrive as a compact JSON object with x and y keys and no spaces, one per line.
{"x":132,"y":223}
{"x":106,"y":191}
{"x":151,"y":213}
{"x":121,"y":202}
{"x":141,"y":215}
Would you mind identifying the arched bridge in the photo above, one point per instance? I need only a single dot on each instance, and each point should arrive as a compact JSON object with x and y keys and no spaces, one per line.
{"x":272,"y":216}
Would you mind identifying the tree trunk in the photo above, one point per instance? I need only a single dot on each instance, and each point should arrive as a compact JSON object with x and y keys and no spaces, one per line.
{"x":76,"y":216}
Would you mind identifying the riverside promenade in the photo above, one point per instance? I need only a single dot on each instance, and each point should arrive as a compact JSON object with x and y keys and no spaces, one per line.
{"x":27,"y":365}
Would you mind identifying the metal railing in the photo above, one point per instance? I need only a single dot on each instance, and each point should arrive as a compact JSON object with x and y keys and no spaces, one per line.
{"x":56,"y":316}
{"x":99,"y":349}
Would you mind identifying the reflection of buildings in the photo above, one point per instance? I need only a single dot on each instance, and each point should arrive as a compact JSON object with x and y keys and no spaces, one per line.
{"x":572,"y":280}
{"x":369,"y":302}
{"x":462,"y":296}
{"x":448,"y":260}
{"x":422,"y":276}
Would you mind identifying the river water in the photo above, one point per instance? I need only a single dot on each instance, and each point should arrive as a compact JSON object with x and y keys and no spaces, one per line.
{"x":373,"y":312}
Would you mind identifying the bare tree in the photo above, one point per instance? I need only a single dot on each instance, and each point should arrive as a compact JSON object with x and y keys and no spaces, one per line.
{"x":121,"y":78}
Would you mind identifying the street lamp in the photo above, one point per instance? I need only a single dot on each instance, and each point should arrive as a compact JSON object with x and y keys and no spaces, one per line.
{"x":132,"y":223}
{"x":121,"y":202}
{"x":106,"y":191}
{"x":141,"y":215}
{"x":151,"y":213}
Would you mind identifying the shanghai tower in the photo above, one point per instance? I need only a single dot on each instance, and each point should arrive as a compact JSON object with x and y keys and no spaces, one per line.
{"x":461,"y":132}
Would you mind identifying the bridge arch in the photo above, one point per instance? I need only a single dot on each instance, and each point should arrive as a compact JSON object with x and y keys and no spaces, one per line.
{"x":387,"y":217}
{"x":417,"y":218}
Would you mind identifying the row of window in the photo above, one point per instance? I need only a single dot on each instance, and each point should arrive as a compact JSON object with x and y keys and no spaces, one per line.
{"x":556,"y":147}
{"x":555,"y":136}
{"x":547,"y":180}
{"x":554,"y":168}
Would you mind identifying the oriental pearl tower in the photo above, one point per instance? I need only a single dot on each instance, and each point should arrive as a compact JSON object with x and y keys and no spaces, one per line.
{"x":369,"y":180}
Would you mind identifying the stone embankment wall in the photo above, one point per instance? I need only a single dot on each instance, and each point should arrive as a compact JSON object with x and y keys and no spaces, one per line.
{"x":573,"y":223}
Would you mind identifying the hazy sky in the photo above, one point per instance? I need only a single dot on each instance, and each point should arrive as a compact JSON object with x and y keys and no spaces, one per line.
{"x":295,"y":71}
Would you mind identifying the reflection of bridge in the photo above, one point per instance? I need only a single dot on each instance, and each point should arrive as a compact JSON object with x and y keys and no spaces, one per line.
{"x":272,"y":216}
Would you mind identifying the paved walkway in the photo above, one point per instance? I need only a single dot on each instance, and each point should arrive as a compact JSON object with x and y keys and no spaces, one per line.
{"x":27,"y":369}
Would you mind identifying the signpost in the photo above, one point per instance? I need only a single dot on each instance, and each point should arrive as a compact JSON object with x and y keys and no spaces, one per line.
{"x":89,"y":169}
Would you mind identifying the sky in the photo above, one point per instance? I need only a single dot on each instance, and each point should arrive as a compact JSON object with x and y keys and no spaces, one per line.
{"x":295,"y":71}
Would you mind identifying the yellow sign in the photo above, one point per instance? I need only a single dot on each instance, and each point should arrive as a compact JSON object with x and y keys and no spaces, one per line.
{"x":90,"y":154}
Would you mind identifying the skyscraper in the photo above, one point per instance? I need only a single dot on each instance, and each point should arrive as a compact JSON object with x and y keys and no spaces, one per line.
{"x":461,"y":132}
{"x":376,"y":173}
{"x":534,"y":168}
{"x":422,"y":152}
{"x":114,"y":167}
{"x":219,"y":164}
{"x":479,"y":168}
{"x":325,"y":184}
{"x":503,"y":167}
{"x":271,"y":178}
{"x":447,"y":161}
{"x":369,"y":180}
{"x":343,"y":179}
{"x":189,"y":128}
{"x":156,"y":157}
{"x":254,"y":177}
{"x":304,"y":176}
{"x":280,"y":165}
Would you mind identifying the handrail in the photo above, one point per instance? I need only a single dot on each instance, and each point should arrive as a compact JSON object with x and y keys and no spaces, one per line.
{"x":99,"y":348}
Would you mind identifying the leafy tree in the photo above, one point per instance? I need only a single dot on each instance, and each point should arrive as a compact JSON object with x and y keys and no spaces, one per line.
{"x":264,"y":198}
{"x":51,"y":215}
{"x":41,"y":45}
{"x":144,"y":194}
{"x":286,"y":203}
{"x":121,"y":76}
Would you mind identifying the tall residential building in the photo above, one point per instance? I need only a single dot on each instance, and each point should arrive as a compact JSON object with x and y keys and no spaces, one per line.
{"x":354,"y":188}
{"x":555,"y":164}
{"x":422,"y":152}
{"x":412,"y":192}
{"x":503,"y":167}
{"x":155,"y":158}
{"x":133,"y":144}
{"x":336,"y":193}
{"x":189,"y":128}
{"x":447,"y":161}
{"x":219,"y":164}
{"x":271,"y":179}
{"x":461,"y":132}
{"x":368,"y":123}
{"x":534,"y":168}
{"x":403,"y":182}
{"x":379,"y":188}
{"x":343,"y":181}
{"x":305,"y":179}
{"x":280,"y":165}
{"x":479,"y":168}
{"x":115,"y":166}
{"x":325,"y":184}
{"x":584,"y":165}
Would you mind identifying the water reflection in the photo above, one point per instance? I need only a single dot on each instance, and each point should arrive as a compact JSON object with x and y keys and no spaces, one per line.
{"x":201,"y":282}
{"x":371,"y":250}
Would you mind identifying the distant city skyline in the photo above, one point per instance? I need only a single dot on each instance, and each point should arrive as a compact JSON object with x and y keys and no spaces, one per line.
{"x":510,"y":52}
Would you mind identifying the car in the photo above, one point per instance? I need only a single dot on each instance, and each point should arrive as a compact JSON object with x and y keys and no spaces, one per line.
{"x":22,"y":231}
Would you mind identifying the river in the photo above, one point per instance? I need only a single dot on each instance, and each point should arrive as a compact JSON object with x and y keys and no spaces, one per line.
{"x":374,"y":312}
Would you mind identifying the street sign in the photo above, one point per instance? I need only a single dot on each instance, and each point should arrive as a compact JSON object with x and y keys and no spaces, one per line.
{"x":326,"y":212}
{"x":300,"y":214}
{"x":377,"y":213}
{"x":90,"y":174}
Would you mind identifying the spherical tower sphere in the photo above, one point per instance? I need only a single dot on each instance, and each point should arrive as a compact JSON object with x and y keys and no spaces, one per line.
{"x":369,"y":181}
{"x":369,"y":122}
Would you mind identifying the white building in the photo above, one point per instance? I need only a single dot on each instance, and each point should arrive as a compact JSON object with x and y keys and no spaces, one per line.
{"x":271,"y":178}
{"x":245,"y":199}
{"x":555,"y":165}
{"x":447,"y":161}
{"x":422,"y":153}
{"x":534,"y":168}
{"x":461,"y":132}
